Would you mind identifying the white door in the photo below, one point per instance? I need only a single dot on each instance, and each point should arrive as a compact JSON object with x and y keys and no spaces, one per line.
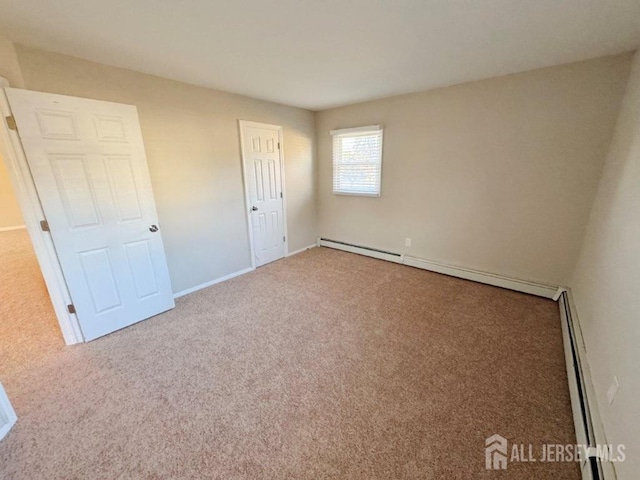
{"x":263,"y":180}
{"x":7,"y":414}
{"x":89,"y":166}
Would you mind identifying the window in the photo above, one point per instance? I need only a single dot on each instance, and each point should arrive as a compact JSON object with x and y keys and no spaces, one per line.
{"x":357,"y":161}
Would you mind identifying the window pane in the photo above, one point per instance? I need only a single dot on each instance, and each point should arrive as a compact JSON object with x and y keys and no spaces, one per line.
{"x":357,"y":163}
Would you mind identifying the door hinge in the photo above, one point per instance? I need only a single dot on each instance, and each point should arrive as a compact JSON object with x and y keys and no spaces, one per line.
{"x":284,"y":239}
{"x":11,"y":122}
{"x":71,"y":308}
{"x":44,"y":225}
{"x":280,"y":194}
{"x":278,"y":145}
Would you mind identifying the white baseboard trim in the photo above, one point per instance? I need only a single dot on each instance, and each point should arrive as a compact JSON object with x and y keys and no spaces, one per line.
{"x":524,"y":286}
{"x":541,"y":290}
{"x":8,"y":416}
{"x":559,"y":291}
{"x":369,"y":252}
{"x":182,"y":293}
{"x":295,"y":252}
{"x":10,"y":229}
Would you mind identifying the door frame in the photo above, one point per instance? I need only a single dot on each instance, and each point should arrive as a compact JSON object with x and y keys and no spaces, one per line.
{"x":20,"y":175}
{"x":245,"y":182}
{"x":7,"y":411}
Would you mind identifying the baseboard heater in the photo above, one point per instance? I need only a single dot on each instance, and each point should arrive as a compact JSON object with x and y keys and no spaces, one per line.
{"x":525,"y":286}
{"x":359,"y":249}
{"x":586,"y":418}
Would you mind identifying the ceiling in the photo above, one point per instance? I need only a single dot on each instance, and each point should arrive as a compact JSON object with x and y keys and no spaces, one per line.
{"x":318,"y":54}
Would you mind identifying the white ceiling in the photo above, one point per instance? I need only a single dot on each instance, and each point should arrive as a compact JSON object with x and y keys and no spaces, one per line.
{"x":322,"y":53}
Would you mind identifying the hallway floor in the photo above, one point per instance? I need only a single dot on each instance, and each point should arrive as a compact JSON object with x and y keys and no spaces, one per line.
{"x":29,"y":331}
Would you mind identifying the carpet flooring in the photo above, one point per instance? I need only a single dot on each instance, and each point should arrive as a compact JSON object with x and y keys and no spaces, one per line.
{"x":325,"y":365}
{"x":28,"y":325}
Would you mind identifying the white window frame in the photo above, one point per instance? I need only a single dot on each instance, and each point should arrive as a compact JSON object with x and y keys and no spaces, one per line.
{"x":346,"y":132}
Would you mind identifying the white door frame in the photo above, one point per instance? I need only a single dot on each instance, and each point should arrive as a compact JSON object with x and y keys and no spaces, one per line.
{"x":7,"y":413}
{"x":27,"y":195}
{"x":245,"y":181}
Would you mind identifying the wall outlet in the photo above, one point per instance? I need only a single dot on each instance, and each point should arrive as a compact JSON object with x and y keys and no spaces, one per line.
{"x":407,"y":242}
{"x":613,"y":389}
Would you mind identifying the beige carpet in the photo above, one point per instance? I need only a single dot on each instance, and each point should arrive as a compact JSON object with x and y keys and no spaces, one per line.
{"x":28,"y":326}
{"x":322,"y":365}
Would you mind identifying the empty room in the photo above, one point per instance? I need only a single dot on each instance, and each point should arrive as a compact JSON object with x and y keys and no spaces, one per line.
{"x":295,"y":239}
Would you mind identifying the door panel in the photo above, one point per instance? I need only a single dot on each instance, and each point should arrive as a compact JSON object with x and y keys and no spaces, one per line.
{"x":263,"y":171}
{"x":97,"y":268}
{"x":141,"y":267}
{"x":123,"y":187}
{"x":90,"y":170}
{"x":76,"y":190}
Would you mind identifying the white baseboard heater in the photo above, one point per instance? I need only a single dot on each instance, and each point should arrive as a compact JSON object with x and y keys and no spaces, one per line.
{"x":360,"y":250}
{"x":586,"y":417}
{"x":525,"y":286}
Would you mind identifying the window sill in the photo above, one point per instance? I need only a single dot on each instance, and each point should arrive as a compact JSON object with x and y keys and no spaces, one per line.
{"x":350,"y":194}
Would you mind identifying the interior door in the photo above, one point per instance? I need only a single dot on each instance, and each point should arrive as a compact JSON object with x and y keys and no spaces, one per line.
{"x":89,"y":166}
{"x":263,"y":175}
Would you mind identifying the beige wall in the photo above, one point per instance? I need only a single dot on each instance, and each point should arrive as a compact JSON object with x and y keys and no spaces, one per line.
{"x":9,"y":64}
{"x":497,"y":175}
{"x":606,"y":283}
{"x":10,"y":215}
{"x":191,"y":137}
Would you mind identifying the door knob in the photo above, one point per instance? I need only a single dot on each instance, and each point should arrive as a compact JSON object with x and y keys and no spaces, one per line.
{"x":153,"y":228}
{"x":254,"y":208}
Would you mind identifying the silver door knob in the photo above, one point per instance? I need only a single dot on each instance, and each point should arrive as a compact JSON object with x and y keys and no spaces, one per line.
{"x":254,"y":208}
{"x":153,"y":228}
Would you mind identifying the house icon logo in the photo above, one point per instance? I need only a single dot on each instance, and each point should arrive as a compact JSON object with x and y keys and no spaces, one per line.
{"x":495,"y":453}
